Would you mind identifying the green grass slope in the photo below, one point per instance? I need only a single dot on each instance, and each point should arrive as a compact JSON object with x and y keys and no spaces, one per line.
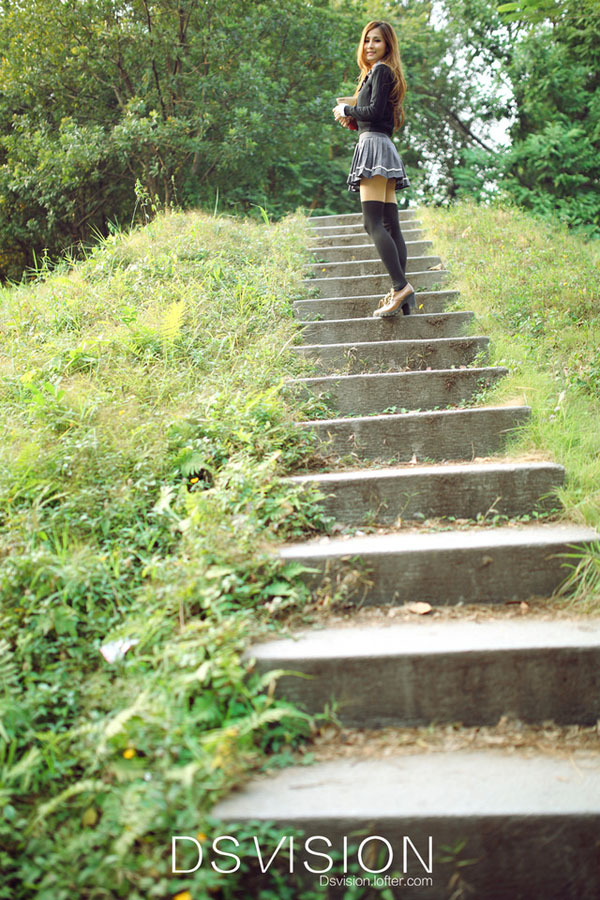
{"x":535,"y":290}
{"x":144,"y":427}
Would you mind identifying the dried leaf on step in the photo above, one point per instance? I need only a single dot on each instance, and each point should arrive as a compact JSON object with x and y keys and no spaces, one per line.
{"x":436,"y":268}
{"x":328,"y":733}
{"x":420,"y":609}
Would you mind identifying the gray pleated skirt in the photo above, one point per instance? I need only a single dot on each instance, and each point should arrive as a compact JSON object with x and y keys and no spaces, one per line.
{"x":376,"y":154}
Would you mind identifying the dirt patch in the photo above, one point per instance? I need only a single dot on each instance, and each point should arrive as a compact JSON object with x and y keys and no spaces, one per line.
{"x":321,"y":615}
{"x":321,"y":463}
{"x":509,"y":735}
{"x":427,"y":526}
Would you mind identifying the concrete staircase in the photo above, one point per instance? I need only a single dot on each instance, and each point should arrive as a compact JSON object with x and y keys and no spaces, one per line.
{"x":502,"y":824}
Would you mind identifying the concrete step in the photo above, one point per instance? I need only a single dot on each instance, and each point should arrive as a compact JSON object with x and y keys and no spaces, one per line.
{"x":476,"y":565}
{"x":421,"y":327}
{"x":404,"y":215}
{"x":354,"y":228}
{"x":388,"y":356}
{"x":359,"y":285}
{"x":360,"y":307}
{"x":458,"y":434}
{"x":509,"y":826}
{"x":366,"y":251}
{"x":464,"y":491}
{"x":390,"y":392}
{"x":355,"y":237}
{"x":371,"y":265}
{"x":410,"y":674}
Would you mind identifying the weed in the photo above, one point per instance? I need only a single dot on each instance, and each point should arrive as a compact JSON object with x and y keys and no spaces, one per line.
{"x":582,"y":586}
{"x":534,"y":290}
{"x":145,"y":435}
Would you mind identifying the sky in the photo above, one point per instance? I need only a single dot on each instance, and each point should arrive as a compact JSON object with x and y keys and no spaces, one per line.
{"x":494,"y":134}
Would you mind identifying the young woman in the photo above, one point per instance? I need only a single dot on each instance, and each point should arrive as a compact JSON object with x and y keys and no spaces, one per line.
{"x":377,"y":170}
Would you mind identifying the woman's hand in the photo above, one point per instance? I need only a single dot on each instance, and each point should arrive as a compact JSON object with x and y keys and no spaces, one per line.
{"x":339,"y":111}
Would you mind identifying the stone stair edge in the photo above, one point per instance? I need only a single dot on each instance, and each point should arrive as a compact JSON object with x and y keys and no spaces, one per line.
{"x":362,"y":246}
{"x":353,"y":285}
{"x":374,"y":297}
{"x":357,"y":215}
{"x":425,"y":667}
{"x":352,"y":239}
{"x":414,"y":233}
{"x":533,"y":807}
{"x":428,"y":414}
{"x":408,"y":234}
{"x":470,"y":492}
{"x":439,"y":272}
{"x":419,"y":541}
{"x":412,"y":374}
{"x":419,"y":470}
{"x":483,"y":565}
{"x":437,"y":342}
{"x":374,"y":259}
{"x":334,"y":222}
{"x":349,"y":220}
{"x":457,"y":313}
{"x":429,"y":636}
{"x":511,"y":793}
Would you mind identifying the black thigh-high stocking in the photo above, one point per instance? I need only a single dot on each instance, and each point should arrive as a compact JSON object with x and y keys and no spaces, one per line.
{"x":391,"y":223}
{"x":386,"y":247}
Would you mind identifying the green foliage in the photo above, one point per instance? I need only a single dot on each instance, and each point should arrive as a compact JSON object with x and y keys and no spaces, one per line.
{"x":141,"y":499}
{"x":534,"y":288}
{"x":157,"y":105}
{"x":582,"y":588}
{"x":538,"y":10}
{"x":188,"y":101}
{"x":150,"y":109}
{"x":549,"y":51}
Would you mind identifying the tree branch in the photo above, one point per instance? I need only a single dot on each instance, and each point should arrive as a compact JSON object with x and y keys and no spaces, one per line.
{"x":154,"y":69}
{"x":455,"y":118}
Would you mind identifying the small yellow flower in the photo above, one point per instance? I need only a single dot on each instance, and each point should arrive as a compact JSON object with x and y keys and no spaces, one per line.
{"x":184,"y":895}
{"x":201,"y":836}
{"x":129,"y":753}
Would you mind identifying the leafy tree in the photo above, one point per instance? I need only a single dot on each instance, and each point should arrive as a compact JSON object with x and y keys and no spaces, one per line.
{"x":555,"y":157}
{"x":194,"y":99}
{"x":204,"y":102}
{"x":549,"y":52}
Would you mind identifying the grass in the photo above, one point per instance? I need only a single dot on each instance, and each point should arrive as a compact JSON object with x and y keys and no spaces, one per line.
{"x":535,"y":290}
{"x":144,"y":432}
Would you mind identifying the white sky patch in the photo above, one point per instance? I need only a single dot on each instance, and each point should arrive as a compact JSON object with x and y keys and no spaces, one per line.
{"x":494,"y":133}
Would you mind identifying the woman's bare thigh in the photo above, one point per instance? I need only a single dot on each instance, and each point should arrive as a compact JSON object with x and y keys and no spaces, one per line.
{"x":390,"y":191}
{"x":373,"y":188}
{"x":378,"y":188}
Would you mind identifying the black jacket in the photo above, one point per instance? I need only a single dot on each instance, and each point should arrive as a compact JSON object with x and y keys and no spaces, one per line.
{"x":374,"y":110}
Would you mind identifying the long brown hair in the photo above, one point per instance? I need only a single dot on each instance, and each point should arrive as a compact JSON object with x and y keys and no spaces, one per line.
{"x":391,"y":59}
